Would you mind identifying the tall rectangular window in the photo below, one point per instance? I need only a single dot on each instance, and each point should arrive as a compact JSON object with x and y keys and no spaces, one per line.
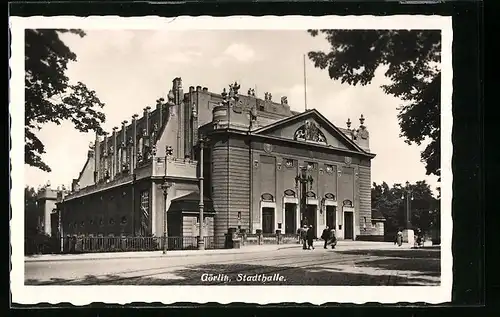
{"x":145,"y":212}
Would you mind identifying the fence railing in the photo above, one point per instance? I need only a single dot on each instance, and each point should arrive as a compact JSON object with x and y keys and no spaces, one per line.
{"x":87,"y":244}
{"x":260,"y":239}
{"x":123,"y":244}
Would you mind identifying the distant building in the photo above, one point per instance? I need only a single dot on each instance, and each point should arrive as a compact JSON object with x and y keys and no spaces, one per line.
{"x":46,"y":215}
{"x":254,"y":152}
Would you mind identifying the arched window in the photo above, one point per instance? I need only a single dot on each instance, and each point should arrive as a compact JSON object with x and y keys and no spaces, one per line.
{"x":123,"y":220}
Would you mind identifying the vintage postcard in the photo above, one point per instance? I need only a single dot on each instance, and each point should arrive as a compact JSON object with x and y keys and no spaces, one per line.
{"x":238,"y":159}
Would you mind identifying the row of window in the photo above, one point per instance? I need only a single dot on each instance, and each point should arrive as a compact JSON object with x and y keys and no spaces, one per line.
{"x":289,"y":163}
{"x":98,"y":235}
{"x":110,"y":197}
{"x":101,"y":222}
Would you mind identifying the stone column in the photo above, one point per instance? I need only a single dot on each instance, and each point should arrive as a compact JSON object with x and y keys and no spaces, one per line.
{"x":147,"y":131}
{"x":178,"y":101}
{"x":194,"y":128}
{"x":97,"y":158}
{"x":124,"y":144}
{"x":146,"y":119}
{"x":133,"y":159}
{"x":159,"y":109}
{"x":115,"y":153}
{"x":106,"y":156}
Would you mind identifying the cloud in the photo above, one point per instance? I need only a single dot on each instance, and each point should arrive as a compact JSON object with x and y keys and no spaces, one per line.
{"x":240,"y":52}
{"x":182,"y":57}
{"x":236,"y":51}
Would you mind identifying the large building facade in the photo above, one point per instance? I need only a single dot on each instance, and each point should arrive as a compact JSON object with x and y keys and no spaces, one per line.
{"x":265,"y":168}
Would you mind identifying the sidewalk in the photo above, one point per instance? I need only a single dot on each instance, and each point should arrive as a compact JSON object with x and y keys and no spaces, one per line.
{"x":341,"y":245}
{"x":152,"y":254}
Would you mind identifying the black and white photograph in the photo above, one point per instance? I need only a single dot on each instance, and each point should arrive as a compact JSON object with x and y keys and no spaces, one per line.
{"x":306,"y":157}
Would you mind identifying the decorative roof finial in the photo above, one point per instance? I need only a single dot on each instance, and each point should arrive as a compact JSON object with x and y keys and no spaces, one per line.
{"x":236,"y":87}
{"x":362,"y":120}
{"x":171,"y":96}
{"x":348,"y":123}
{"x":224,"y":94}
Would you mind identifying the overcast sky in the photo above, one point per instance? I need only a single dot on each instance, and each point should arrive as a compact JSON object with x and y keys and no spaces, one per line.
{"x":131,"y":69}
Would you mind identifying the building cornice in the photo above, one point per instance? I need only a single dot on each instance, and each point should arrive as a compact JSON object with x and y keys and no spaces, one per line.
{"x":292,"y":142}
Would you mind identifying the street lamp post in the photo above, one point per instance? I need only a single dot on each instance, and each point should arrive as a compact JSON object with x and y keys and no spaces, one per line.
{"x":303,"y":179}
{"x":408,"y":233}
{"x":409,"y":197}
{"x":165,"y":186}
{"x":201,"y":241}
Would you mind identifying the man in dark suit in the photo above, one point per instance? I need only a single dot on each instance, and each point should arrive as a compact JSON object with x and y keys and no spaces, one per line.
{"x":326,"y":236}
{"x":310,"y":237}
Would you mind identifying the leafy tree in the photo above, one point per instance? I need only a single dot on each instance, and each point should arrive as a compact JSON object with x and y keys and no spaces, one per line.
{"x":412,"y":58}
{"x":30,"y":211}
{"x":391,"y":203}
{"x":49,"y":96}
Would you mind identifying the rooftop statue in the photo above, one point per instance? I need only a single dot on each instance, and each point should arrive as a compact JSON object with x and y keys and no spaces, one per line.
{"x":268,"y":96}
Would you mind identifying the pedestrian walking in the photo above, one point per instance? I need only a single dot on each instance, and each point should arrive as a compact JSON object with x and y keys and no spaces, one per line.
{"x":303,"y":237}
{"x":310,"y":238}
{"x":333,"y":239}
{"x":325,"y":235}
{"x":399,"y":238}
{"x":419,"y":238}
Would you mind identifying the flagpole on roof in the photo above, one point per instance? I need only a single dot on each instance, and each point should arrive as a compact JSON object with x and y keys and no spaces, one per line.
{"x":305,"y":84}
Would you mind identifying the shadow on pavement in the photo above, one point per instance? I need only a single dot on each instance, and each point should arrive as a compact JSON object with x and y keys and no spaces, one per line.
{"x":430,"y":267}
{"x":312,"y":275}
{"x":410,"y":254}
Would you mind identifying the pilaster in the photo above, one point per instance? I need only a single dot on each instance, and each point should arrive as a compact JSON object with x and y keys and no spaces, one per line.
{"x":133,"y":164}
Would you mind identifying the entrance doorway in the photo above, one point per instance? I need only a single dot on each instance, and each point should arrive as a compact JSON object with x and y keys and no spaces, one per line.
{"x":331,"y":214}
{"x":267,"y":220}
{"x":348,"y":225}
{"x":290,"y":218}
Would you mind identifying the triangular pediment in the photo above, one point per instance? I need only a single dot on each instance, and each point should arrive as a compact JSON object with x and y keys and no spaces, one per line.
{"x":310,"y":127}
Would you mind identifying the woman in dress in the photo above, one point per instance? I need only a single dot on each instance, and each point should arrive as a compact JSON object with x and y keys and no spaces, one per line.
{"x":399,"y":238}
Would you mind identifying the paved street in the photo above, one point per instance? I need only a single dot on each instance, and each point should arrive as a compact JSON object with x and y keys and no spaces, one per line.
{"x":349,"y":264}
